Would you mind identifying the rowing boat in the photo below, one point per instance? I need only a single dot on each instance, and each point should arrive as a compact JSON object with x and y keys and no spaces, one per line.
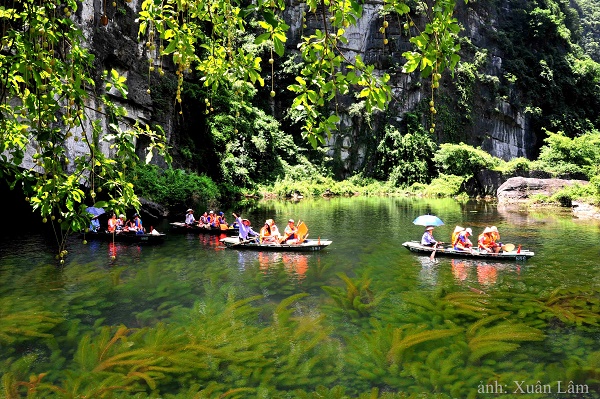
{"x":125,"y":236}
{"x":415,"y":246}
{"x":181,"y":227}
{"x":307,"y":245}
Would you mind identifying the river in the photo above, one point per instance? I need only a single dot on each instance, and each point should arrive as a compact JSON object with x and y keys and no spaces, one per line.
{"x":364,"y":314}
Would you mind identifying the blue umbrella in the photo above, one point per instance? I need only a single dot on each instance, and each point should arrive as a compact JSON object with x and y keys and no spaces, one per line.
{"x":428,"y":220}
{"x":95,"y":211}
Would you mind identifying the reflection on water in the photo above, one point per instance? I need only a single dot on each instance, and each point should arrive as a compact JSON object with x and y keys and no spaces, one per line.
{"x":295,"y":264}
{"x":482,"y":272}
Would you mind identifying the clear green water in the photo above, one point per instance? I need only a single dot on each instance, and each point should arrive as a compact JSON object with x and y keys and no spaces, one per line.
{"x":364,"y":314}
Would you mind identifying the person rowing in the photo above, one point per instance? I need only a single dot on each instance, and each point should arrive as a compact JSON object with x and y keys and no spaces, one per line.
{"x":427,"y":238}
{"x":190,"y":220}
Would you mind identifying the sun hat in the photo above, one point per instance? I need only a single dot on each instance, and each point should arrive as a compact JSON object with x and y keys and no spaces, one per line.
{"x":121,"y":216}
{"x":494,"y":229}
{"x":468,"y":230}
{"x":269,"y":222}
{"x":291,"y":221}
{"x":458,"y":228}
{"x":190,"y":210}
{"x":211,"y":212}
{"x":487,"y":230}
{"x":429,"y":228}
{"x":246,"y":220}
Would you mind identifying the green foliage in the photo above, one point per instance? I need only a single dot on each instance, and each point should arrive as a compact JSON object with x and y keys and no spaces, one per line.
{"x":47,"y":88}
{"x":357,"y":300}
{"x":562,"y":155}
{"x":228,"y":56}
{"x":174,"y":187}
{"x":516,"y":166}
{"x":442,"y":186}
{"x":541,"y":49}
{"x":404,"y":159}
{"x":463,"y":160}
{"x":317,"y":185}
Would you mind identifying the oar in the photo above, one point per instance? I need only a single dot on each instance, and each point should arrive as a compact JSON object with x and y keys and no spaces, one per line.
{"x":432,"y":256}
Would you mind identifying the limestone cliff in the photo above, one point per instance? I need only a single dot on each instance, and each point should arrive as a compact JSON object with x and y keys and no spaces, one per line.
{"x":474,"y":107}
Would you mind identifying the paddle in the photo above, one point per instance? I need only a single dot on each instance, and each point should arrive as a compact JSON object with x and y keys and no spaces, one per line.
{"x":432,"y":256}
{"x":508,"y":247}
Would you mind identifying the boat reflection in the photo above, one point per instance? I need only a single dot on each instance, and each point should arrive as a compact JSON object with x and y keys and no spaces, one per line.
{"x":212,"y":241}
{"x":118,"y":250}
{"x":294,"y":264}
{"x":485,"y":273}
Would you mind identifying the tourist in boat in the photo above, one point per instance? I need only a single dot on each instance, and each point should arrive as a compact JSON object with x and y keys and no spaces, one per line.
{"x":212,"y":219}
{"x":121,"y":223}
{"x":496,"y":237}
{"x":290,"y":233}
{"x":189,"y":217}
{"x":462,"y":242}
{"x":245,"y":229}
{"x":137,"y":222}
{"x":221,"y":220}
{"x":485,"y":241}
{"x":427,"y":238}
{"x":203,"y":221}
{"x":112,"y":223}
{"x":269,"y":233}
{"x":455,"y":233}
{"x":95,"y":224}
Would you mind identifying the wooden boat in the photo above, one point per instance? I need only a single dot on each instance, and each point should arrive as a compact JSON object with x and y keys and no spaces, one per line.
{"x":181,"y":227}
{"x":308,"y":245}
{"x":125,"y":236}
{"x":415,"y":246}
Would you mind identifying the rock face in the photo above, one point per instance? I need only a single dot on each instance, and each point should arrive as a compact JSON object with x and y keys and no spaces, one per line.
{"x":520,"y":189}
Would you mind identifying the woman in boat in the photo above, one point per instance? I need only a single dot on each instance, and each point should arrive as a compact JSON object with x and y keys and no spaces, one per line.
{"x":427,"y":239}
{"x":245,"y":231}
{"x":485,"y":242}
{"x":496,"y":236}
{"x":212,"y":219}
{"x":269,"y":233}
{"x":454,"y":236}
{"x":462,"y":242}
{"x":95,"y":224}
{"x":203,"y":221}
{"x":121,"y":223}
{"x":112,"y":223}
{"x":137,"y":221}
{"x":189,"y":217}
{"x":221,"y":220}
